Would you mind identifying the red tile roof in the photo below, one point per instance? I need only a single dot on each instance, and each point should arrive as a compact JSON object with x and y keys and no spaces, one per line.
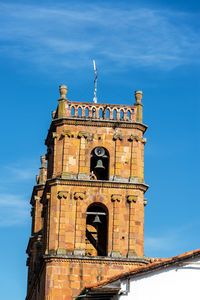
{"x":155,"y":263}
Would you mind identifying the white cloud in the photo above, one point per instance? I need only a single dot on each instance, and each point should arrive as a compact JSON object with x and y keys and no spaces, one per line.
{"x":160,"y":243}
{"x":19,"y":172}
{"x":14,"y":210}
{"x":73,"y":34}
{"x":15,"y":190}
{"x":173,"y":240}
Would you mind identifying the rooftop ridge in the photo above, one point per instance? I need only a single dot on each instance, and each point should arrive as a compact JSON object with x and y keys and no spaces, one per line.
{"x":151,"y":266}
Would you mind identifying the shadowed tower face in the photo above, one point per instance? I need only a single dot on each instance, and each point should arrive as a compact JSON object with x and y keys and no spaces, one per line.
{"x":88,"y":203}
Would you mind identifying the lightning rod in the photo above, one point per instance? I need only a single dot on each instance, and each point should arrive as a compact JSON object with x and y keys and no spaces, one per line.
{"x":95,"y":82}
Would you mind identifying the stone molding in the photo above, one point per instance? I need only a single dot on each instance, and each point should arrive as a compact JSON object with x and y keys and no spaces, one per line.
{"x":134,"y":137}
{"x":83,"y":134}
{"x":96,"y":260}
{"x":62,"y":194}
{"x":37,"y":198}
{"x":94,"y":123}
{"x":98,"y":183}
{"x":116,"y":197}
{"x":79,"y":195}
{"x":67,"y":133}
{"x":132,"y":198}
{"x":54,"y":135}
{"x":101,"y":123}
{"x":53,"y":114}
{"x":144,"y":140}
{"x":117,"y":136}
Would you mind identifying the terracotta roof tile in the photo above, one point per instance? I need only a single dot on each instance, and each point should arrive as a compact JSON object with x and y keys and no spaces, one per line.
{"x":154,"y":264}
{"x":153,"y":259}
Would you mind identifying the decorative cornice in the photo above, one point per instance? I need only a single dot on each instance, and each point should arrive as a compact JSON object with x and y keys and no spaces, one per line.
{"x":132,"y":198}
{"x":144,"y":140}
{"x":67,"y":133}
{"x":83,"y":134}
{"x":97,"y":183}
{"x":37,"y":198}
{"x":134,"y":137}
{"x":96,"y":260}
{"x":54,"y":135}
{"x":62,"y":194}
{"x":101,"y":123}
{"x":116,"y":197}
{"x":79,"y":195}
{"x":117,"y":136}
{"x":95,"y":123}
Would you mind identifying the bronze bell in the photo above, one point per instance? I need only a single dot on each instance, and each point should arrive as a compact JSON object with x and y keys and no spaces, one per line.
{"x":97,"y":220}
{"x":99,"y":164}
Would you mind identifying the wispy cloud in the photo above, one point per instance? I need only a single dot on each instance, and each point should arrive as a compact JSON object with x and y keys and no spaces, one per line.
{"x":17,"y":180}
{"x":14,"y":210}
{"x":173,"y":240}
{"x":19,"y":172}
{"x":71,"y":35}
{"x":167,"y":243}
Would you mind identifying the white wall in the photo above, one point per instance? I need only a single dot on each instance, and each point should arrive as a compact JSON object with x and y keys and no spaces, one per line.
{"x":178,"y":282}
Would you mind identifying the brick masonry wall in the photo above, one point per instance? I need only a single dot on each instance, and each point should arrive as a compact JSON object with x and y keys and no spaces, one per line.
{"x":65,"y":278}
{"x":74,"y":144}
{"x":67,"y":217}
{"x":61,"y":203}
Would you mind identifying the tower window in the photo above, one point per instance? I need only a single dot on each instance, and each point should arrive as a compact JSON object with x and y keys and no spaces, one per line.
{"x":96,"y":230}
{"x":99,"y":163}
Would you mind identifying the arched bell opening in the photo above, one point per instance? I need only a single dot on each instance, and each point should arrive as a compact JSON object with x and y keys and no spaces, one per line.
{"x":99,"y":164}
{"x":97,"y":230}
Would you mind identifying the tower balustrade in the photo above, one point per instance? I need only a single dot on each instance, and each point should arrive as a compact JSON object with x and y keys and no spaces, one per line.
{"x":99,"y":111}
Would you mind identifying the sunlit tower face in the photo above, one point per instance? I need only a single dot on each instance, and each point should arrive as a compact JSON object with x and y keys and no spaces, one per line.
{"x":88,"y":203}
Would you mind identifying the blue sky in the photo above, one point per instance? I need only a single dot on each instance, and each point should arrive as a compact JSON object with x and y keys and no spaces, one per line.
{"x":149,"y":45}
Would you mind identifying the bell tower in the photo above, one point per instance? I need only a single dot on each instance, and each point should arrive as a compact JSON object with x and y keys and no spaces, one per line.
{"x":88,"y":202}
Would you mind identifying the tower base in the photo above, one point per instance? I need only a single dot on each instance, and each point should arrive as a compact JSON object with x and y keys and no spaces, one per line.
{"x":63,"y":277}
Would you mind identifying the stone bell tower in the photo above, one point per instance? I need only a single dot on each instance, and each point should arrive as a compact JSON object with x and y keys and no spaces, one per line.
{"x":88,"y":203}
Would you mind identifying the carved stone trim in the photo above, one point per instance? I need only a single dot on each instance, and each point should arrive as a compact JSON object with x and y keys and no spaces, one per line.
{"x":88,"y":260}
{"x":133,"y":137}
{"x":79,"y":195}
{"x":61,"y":251}
{"x":98,"y":183}
{"x":116,"y":197}
{"x":83,"y":134}
{"x":132,"y":198}
{"x":37,"y":198}
{"x":54,"y":135}
{"x":144,"y":140}
{"x":131,"y":254}
{"x":101,"y":123}
{"x":117,"y":136}
{"x":95,"y":123}
{"x":67,"y":133}
{"x":115,"y":254}
{"x":78,"y":252}
{"x":53,"y":114}
{"x":62,"y":194}
{"x":145,"y":202}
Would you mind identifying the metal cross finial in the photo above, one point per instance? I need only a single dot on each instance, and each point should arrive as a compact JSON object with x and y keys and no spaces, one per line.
{"x":95,"y":82}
